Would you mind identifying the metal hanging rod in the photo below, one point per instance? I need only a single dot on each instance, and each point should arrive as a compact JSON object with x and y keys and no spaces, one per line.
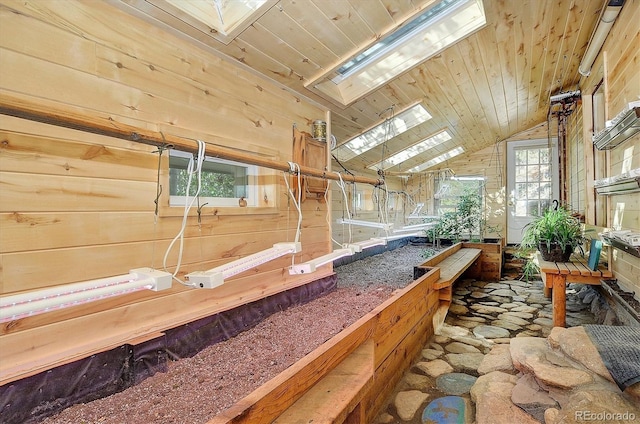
{"x":107,"y":126}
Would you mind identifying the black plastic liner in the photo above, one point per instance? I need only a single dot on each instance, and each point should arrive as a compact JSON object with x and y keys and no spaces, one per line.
{"x":34,"y":398}
{"x":376,"y":250}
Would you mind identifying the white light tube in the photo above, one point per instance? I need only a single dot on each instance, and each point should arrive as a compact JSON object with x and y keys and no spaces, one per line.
{"x":599,"y":36}
{"x":41,"y":301}
{"x":215,"y":277}
{"x":311,"y":266}
{"x":386,"y":227}
{"x":357,"y":247}
{"x":416,"y":227}
{"x":404,"y":235}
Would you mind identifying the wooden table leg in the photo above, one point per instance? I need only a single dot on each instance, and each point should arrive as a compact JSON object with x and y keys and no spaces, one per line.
{"x":547,"y":285}
{"x":559,"y":284}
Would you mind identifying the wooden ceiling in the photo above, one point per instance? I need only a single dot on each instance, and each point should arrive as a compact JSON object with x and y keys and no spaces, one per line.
{"x":487,"y":87}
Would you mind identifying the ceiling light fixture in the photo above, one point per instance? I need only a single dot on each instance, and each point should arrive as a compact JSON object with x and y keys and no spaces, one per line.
{"x":46,"y":300}
{"x":599,"y":36}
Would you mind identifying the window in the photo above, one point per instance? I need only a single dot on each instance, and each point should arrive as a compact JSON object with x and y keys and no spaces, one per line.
{"x":448,"y":191}
{"x":382,"y":132}
{"x":223,"y":182}
{"x":428,"y":33}
{"x":533,"y":181}
{"x":412,"y":151}
{"x":437,"y":160}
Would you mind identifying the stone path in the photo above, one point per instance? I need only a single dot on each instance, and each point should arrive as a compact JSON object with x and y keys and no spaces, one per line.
{"x":499,"y":352}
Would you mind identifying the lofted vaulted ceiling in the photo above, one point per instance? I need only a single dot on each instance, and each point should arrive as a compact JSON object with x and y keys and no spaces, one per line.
{"x":491,"y":85}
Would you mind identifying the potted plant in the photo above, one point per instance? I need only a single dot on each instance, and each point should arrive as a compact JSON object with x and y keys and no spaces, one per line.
{"x":556,"y":234}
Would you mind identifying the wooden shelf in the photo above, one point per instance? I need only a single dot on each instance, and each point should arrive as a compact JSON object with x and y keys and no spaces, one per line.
{"x":622,"y":245}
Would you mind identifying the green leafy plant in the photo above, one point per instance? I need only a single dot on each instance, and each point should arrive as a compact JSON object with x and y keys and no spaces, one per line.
{"x":465,"y":221}
{"x":556,"y":228}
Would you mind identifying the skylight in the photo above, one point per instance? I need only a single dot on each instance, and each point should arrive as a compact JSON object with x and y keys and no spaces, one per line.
{"x":437,"y":160}
{"x":382,"y":132}
{"x":427,"y":34}
{"x":222,"y":20}
{"x":221,"y":15}
{"x":412,"y":151}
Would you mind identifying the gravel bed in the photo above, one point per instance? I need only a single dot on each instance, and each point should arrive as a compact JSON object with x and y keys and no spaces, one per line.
{"x":195,"y":389}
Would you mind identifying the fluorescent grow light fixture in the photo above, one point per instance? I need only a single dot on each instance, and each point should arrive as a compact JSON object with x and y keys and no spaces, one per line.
{"x":216,"y":276}
{"x":359,"y":246}
{"x":381,"y":225}
{"x":51,"y":299}
{"x":416,"y":227}
{"x":599,"y":36}
{"x":311,"y":266}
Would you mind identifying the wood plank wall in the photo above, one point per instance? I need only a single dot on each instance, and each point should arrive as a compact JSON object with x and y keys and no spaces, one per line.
{"x":76,"y":206}
{"x":618,"y":65}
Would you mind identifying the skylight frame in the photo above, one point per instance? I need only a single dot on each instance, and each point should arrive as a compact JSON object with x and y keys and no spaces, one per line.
{"x":201,"y":20}
{"x":413,"y":150}
{"x":378,"y":134}
{"x":459,"y":21}
{"x":398,"y":37}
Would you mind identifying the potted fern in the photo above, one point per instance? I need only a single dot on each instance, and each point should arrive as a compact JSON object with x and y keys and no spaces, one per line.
{"x":556,"y":234}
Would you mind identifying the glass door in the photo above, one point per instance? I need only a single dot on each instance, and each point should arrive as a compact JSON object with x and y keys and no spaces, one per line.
{"x":532,"y":183}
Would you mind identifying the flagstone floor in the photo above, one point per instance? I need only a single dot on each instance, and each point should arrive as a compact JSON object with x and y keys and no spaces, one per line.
{"x":474,"y":349}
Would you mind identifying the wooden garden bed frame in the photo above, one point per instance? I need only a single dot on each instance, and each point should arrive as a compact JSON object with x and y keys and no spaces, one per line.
{"x":349,"y":378}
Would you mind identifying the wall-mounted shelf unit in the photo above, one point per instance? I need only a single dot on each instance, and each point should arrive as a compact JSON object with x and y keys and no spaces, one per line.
{"x":623,"y":240}
{"x":625,"y":125}
{"x":629,"y":182}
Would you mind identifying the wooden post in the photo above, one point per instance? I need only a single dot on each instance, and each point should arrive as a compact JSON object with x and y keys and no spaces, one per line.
{"x":559,"y":284}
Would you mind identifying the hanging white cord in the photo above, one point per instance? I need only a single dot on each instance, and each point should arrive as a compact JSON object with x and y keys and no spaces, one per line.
{"x":326,"y":202}
{"x":188,"y":204}
{"x":295,"y":168}
{"x":346,"y":201}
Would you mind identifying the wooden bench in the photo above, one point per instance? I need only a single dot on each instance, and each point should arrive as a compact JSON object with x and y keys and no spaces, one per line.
{"x":556,"y":275}
{"x":452,"y":262}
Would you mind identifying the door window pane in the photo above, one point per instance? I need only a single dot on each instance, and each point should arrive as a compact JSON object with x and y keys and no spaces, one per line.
{"x":533,"y":181}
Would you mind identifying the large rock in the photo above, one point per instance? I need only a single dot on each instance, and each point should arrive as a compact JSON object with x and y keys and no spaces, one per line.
{"x":458,"y":309}
{"x":457,"y":347}
{"x":435,"y":368}
{"x":488,"y":309}
{"x":431,"y":354}
{"x":533,"y":355}
{"x":600,"y":406}
{"x":528,"y":395}
{"x":408,"y":402}
{"x":492,"y":395}
{"x":455,"y":383}
{"x":498,"y":359}
{"x":417,"y":381}
{"x":468,"y":362}
{"x":576,"y":343}
{"x":490,"y":332}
